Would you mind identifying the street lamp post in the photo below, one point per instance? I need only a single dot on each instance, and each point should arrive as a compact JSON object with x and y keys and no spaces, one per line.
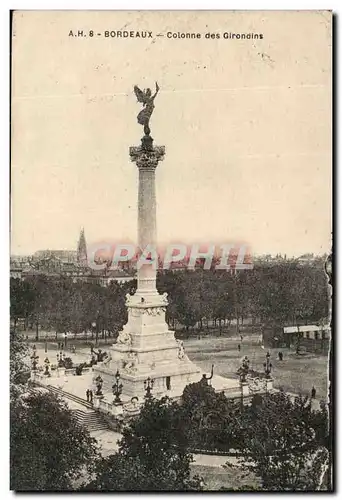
{"x":99,"y":383}
{"x":60,"y":359}
{"x":244,"y":369}
{"x":117,"y":388}
{"x":242,"y":380}
{"x":243,"y":372}
{"x":148,"y":386}
{"x":267,"y":369}
{"x":97,"y":327}
{"x":34,"y":359}
{"x":268,"y":365}
{"x":37,"y":326}
{"x":47,"y":364}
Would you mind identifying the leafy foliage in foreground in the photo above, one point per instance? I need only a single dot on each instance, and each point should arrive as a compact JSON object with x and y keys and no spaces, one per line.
{"x":284,"y":444}
{"x":211,"y":420}
{"x":49,"y":448}
{"x":152,"y":456}
{"x":18,"y":351}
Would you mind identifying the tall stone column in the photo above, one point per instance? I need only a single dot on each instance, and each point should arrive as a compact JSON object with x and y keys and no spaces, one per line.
{"x":146,"y":347}
{"x":147,"y":159}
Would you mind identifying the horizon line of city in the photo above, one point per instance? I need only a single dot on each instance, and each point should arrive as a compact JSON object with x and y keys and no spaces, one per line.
{"x":284,"y":255}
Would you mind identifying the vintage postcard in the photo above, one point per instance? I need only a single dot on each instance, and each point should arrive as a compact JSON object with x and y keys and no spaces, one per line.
{"x":171,"y":237}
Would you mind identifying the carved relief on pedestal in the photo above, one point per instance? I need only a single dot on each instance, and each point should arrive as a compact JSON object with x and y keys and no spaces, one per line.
{"x":135,"y":312}
{"x":107,"y":360}
{"x":181,"y":352}
{"x":130,"y":363}
{"x":163,"y":298}
{"x":124,"y":338}
{"x":133,"y":406}
{"x":256,"y":384}
{"x":154,"y":311}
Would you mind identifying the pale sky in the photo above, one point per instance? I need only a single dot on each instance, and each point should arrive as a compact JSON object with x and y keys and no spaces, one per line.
{"x":246,"y":125}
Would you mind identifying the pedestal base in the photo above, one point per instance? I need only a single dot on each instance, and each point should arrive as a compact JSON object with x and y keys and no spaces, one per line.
{"x":147,"y":348}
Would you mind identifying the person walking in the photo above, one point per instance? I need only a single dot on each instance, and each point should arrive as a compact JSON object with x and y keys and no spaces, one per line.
{"x":91,"y":397}
{"x":313,"y":392}
{"x":239,"y":347}
{"x":88,"y":395}
{"x":280,"y":356}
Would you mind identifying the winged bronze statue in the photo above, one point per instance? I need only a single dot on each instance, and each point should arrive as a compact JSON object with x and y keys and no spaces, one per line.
{"x":147,"y":100}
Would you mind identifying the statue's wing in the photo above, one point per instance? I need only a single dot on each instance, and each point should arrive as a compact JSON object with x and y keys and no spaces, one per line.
{"x":139,"y":93}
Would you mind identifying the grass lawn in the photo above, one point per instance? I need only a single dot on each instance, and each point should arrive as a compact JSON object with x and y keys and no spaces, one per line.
{"x":216,"y":478}
{"x":295,"y":373}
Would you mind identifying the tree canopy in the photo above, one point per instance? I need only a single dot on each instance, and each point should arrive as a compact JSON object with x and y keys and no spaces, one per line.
{"x":284,"y":443}
{"x":49,"y":449}
{"x":153,"y":454}
{"x":276,"y":294}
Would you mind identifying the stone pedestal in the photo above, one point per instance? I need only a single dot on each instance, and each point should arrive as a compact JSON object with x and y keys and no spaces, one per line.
{"x":97,"y":401}
{"x":146,"y":347}
{"x":35,"y":376}
{"x":244,"y":389}
{"x":257,"y":386}
{"x":269,"y":384}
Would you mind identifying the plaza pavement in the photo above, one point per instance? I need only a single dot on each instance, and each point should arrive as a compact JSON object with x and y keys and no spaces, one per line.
{"x":108,"y":439}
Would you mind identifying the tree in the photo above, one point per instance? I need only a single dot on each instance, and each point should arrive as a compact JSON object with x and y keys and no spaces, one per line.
{"x":280,"y":445}
{"x":49,"y":448}
{"x":210,"y":420}
{"x":22,"y":295}
{"x":152,"y":454}
{"x":18,"y":351}
{"x":223,"y":305}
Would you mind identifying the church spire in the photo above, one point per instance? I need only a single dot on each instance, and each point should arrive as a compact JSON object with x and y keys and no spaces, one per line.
{"x":82,"y":257}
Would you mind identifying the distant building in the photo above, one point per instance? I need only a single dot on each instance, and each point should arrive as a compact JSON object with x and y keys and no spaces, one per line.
{"x":55,"y":264}
{"x":62,"y":255}
{"x":82,"y":256}
{"x":311,"y":338}
{"x":313,"y":332}
{"x":15,"y":270}
{"x":17,"y":264}
{"x":308,"y":258}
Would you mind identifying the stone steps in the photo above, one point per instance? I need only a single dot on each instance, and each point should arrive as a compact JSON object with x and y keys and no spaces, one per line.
{"x":70,"y":396}
{"x":93,"y":420}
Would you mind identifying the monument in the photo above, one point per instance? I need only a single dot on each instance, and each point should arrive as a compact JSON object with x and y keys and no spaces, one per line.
{"x":146,"y":359}
{"x":146,"y":348}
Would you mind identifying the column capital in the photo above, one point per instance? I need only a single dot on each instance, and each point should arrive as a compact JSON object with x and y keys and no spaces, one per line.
{"x":147,"y":159}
